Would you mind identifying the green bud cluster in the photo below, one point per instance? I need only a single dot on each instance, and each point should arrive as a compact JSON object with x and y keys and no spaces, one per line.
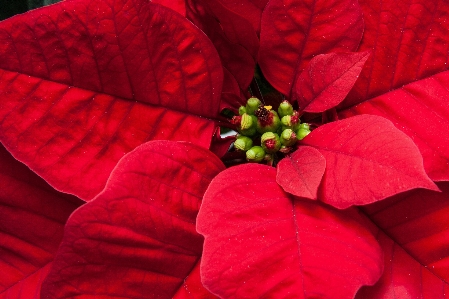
{"x":263,"y":132}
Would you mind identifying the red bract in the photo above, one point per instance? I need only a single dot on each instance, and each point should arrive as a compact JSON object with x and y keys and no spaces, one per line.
{"x":137,"y":238}
{"x":408,"y":41}
{"x":32,"y":218}
{"x":233,"y":36}
{"x":261,"y":242}
{"x":417,"y":221}
{"x":327,"y":80}
{"x":421,"y":111}
{"x":177,"y":5}
{"x":367,"y":159}
{"x":405,"y":78}
{"x":403,"y":276}
{"x":249,"y":9}
{"x":83,"y":83}
{"x":413,"y":233}
{"x":193,"y":287}
{"x":301,"y":173}
{"x":293,"y":32}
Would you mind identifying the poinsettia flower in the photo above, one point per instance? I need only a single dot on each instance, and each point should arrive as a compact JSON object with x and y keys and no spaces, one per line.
{"x":112,"y":237}
{"x":320,"y":83}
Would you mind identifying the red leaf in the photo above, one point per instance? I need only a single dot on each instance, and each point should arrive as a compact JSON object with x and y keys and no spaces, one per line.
{"x":137,"y":238}
{"x":260,"y":243}
{"x":32,"y":217}
{"x":293,"y":32}
{"x":420,"y":110}
{"x":367,"y":159}
{"x":300,"y":174}
{"x":416,"y":256}
{"x":408,"y":41}
{"x":327,"y":80}
{"x":233,"y":37}
{"x":83,"y":83}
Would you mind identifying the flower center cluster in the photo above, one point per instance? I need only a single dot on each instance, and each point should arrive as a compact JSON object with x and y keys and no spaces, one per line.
{"x":265,"y":133}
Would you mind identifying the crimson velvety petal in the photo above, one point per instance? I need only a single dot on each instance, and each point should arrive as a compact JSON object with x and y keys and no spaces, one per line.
{"x":84,"y":82}
{"x":421,"y":110}
{"x":408,"y":40}
{"x":32,"y":218}
{"x":327,"y":80}
{"x":137,"y":238}
{"x":367,"y":159}
{"x":293,"y":32}
{"x":261,"y":242}
{"x":300,"y":173}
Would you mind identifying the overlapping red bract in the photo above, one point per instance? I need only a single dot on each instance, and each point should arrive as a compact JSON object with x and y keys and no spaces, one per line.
{"x":417,"y":222}
{"x":367,"y":159}
{"x":192,"y":288}
{"x":231,"y":94}
{"x":293,"y":32}
{"x":32,"y":218}
{"x":420,"y":110}
{"x":261,"y":242}
{"x":327,"y":80}
{"x":177,"y":5}
{"x":403,"y":277}
{"x":83,"y":83}
{"x":413,"y":230}
{"x":137,"y":238}
{"x":300,"y":173}
{"x":408,"y":42}
{"x":249,"y":9}
{"x":233,"y":36}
